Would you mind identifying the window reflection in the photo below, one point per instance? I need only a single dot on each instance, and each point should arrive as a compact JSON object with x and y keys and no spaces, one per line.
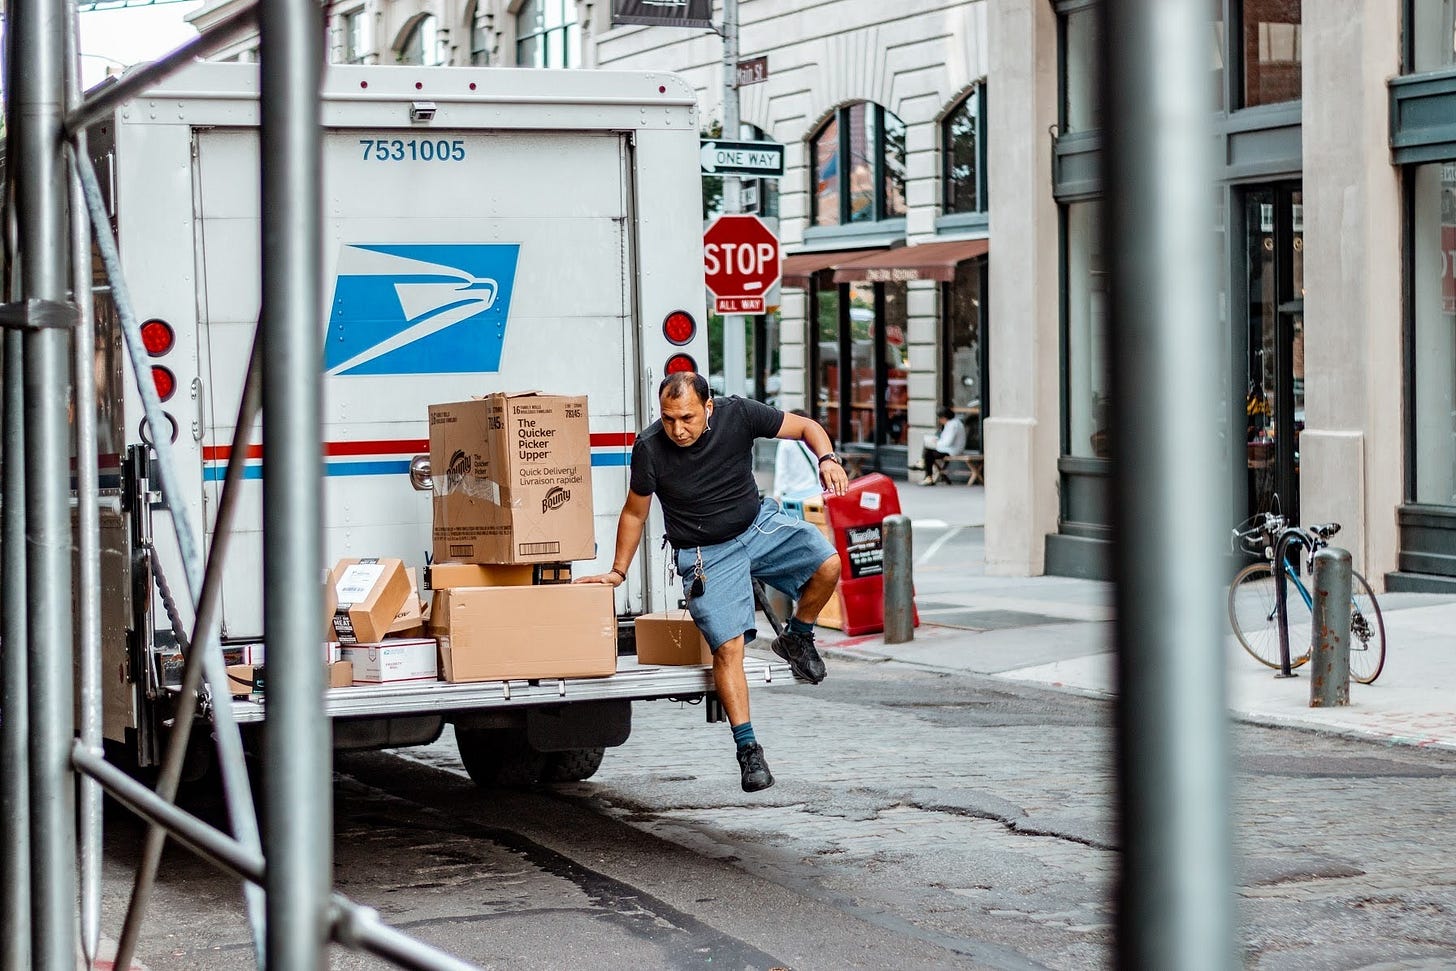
{"x":964,"y":175}
{"x":1433,"y":299}
{"x":1272,"y":51}
{"x":1082,"y":91}
{"x":1433,"y":34}
{"x":825,"y":152}
{"x":547,"y":34}
{"x":867,"y":183}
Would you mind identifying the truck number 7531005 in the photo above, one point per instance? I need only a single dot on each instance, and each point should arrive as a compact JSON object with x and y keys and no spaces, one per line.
{"x":413,"y":150}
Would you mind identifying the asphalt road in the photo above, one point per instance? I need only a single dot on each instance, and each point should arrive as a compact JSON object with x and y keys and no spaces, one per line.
{"x":920,"y":820}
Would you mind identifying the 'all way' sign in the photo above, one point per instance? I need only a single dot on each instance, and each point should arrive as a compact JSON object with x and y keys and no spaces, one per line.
{"x":758,"y":159}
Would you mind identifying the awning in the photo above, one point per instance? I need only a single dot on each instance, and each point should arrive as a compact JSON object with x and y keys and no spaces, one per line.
{"x":928,"y":261}
{"x":800,"y":267}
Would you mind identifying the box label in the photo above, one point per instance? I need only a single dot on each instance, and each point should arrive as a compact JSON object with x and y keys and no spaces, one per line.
{"x":357,"y":580}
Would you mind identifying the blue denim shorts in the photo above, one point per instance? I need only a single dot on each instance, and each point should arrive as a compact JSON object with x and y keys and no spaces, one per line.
{"x":780,"y":550}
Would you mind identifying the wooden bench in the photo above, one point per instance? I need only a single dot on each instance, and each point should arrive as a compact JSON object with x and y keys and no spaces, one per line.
{"x":972,"y":461}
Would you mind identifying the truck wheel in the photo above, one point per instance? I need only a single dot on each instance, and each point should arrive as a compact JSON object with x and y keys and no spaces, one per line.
{"x":574,"y":765}
{"x":496,"y":757}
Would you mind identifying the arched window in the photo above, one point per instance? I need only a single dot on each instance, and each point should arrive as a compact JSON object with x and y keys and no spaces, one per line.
{"x":547,"y":34}
{"x":422,"y":44}
{"x":478,"y":28}
{"x":963,"y":148}
{"x":859,"y":166}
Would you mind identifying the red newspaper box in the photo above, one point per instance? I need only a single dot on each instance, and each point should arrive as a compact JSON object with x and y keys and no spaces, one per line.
{"x":856,"y":519}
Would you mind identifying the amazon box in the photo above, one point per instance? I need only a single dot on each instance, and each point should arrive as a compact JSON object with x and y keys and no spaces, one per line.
{"x":671,"y":637}
{"x":512,"y":476}
{"x":513,"y":633}
{"x":370,"y":593}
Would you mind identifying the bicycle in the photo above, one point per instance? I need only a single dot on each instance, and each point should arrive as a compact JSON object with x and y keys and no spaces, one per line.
{"x":1253,"y":609}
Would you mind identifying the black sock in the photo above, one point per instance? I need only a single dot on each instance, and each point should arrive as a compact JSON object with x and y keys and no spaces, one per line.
{"x":801,"y":627}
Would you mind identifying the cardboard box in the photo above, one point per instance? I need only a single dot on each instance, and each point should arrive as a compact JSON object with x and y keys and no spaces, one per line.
{"x":407,"y":659}
{"x":370,"y":593}
{"x":248,"y":679}
{"x":512,"y":479}
{"x":671,"y":637}
{"x":512,"y":633}
{"x":253,"y":653}
{"x":832,"y":615}
{"x":411,"y":617}
{"x":341,"y":674}
{"x":447,"y":576}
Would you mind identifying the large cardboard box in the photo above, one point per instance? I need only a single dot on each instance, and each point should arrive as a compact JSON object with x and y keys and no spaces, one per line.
{"x":512,"y":633}
{"x":671,"y":637}
{"x":410,"y":621}
{"x":512,"y":479}
{"x":406,"y":659}
{"x":370,"y":593}
{"x":831,"y":615}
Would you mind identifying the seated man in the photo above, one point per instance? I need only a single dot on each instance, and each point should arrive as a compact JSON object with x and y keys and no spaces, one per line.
{"x":950,"y":441}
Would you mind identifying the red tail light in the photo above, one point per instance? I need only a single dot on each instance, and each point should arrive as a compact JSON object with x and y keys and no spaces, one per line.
{"x":679,"y":327}
{"x":681,"y":362}
{"x":158,"y":337}
{"x":165,"y":381}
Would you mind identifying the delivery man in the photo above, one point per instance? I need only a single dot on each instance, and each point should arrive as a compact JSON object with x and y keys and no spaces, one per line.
{"x":698,"y":460}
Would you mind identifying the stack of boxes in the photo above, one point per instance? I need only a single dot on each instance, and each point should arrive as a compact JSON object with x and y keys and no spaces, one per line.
{"x":512,"y":508}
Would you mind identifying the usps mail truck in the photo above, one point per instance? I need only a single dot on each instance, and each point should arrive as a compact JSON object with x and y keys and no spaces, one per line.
{"x":485,"y":230}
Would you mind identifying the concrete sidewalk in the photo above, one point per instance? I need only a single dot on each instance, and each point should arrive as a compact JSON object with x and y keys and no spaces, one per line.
{"x":1058,"y":632}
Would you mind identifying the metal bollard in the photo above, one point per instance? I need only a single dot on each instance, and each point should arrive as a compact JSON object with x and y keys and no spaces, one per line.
{"x":1329,"y":654}
{"x":899,"y":581}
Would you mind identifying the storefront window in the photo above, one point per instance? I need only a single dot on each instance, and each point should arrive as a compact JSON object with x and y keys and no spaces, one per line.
{"x":1432,"y":29}
{"x":1082,"y":92}
{"x":964,"y":154}
{"x":1272,"y":51}
{"x":1088,"y":381}
{"x":871,"y":187}
{"x":826,"y":336}
{"x":961,"y":348}
{"x":1433,"y":299}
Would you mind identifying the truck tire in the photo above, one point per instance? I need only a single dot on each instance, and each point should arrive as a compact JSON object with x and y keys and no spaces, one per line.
{"x":575,"y":765}
{"x":496,"y":758}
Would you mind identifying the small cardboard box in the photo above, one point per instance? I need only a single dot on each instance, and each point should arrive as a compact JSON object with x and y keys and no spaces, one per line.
{"x":511,"y":633}
{"x":447,"y":576}
{"x":411,"y":617}
{"x":407,"y":659}
{"x":253,"y":653}
{"x":370,"y":593}
{"x":832,"y":614}
{"x":247,"y":679}
{"x":671,"y":637}
{"x":512,"y":477}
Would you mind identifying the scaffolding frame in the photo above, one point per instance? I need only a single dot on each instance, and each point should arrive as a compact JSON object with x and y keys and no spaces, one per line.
{"x":1175,"y":907}
{"x":53,"y":209}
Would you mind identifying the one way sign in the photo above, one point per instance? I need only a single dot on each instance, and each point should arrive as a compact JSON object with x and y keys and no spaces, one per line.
{"x":764,"y":160}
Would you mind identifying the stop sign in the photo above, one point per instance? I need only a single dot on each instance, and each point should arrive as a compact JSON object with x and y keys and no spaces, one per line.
{"x":741,"y":261}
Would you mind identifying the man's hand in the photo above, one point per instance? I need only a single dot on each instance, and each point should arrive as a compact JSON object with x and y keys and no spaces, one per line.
{"x":612,"y":578}
{"x":833,"y":476}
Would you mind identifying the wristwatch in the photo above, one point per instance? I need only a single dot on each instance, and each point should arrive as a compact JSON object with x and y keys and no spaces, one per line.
{"x":830,"y":457}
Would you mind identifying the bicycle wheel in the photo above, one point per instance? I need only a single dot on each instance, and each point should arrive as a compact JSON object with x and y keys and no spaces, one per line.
{"x":1367,"y":633}
{"x":1252,"y":614}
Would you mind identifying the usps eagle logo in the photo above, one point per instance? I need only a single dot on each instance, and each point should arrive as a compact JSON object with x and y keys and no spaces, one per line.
{"x":420,"y":308}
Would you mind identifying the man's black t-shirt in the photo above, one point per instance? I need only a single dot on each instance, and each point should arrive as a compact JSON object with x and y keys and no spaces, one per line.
{"x":707,"y":489}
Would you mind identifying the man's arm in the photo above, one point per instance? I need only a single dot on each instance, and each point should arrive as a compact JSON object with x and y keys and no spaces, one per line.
{"x":629,"y":534}
{"x":812,"y":434}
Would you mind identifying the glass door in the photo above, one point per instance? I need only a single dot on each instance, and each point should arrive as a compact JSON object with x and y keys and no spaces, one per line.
{"x":1274,"y":395}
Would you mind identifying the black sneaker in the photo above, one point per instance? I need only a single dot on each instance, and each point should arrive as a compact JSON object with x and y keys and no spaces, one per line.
{"x":756,"y":775}
{"x":801,"y":654}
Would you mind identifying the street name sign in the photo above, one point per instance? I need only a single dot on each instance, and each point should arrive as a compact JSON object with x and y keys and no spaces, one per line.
{"x":764,"y":160}
{"x":753,"y":70}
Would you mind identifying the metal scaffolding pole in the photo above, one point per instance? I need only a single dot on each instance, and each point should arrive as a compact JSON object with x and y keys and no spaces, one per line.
{"x":14,"y":678}
{"x":297,"y":755}
{"x":40,"y":177}
{"x":1177,"y":904}
{"x":88,"y":523}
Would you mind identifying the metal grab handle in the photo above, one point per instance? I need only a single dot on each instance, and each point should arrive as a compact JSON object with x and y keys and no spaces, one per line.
{"x":419,"y":473}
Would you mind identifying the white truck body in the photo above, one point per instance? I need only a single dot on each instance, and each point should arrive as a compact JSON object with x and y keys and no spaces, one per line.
{"x":533,"y":232}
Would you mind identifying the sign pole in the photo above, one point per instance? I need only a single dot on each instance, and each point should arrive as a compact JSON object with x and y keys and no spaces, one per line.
{"x":735,"y":351}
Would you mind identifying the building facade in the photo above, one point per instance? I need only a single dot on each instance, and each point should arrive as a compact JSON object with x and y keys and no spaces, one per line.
{"x":1336,"y":189}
